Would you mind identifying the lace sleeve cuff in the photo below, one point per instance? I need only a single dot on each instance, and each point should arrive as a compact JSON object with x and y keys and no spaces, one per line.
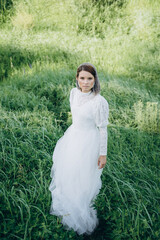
{"x":103,"y":140}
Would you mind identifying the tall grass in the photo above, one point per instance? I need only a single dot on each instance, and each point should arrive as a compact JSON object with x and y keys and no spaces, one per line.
{"x":41,"y":45}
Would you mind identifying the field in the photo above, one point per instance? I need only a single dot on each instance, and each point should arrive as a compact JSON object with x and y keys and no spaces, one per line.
{"x":42,"y":42}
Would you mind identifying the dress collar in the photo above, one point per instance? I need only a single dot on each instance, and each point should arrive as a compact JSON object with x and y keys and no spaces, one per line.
{"x":83,"y":93}
{"x":82,"y":97}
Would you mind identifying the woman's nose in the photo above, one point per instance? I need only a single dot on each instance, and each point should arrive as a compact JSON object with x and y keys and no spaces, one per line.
{"x":86,"y":80}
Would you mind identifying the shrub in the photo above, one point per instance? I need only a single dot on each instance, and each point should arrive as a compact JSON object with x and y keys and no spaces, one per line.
{"x":5,"y":7}
{"x":96,"y":17}
{"x":147,"y":116}
{"x":12,"y":57}
{"x":23,"y":20}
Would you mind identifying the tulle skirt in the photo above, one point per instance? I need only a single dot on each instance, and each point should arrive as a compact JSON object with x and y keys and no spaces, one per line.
{"x":76,"y":179}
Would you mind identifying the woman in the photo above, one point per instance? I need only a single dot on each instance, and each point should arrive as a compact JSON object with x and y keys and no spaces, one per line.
{"x":80,"y":155}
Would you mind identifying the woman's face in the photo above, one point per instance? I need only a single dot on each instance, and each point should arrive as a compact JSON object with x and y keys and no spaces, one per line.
{"x":86,"y":81}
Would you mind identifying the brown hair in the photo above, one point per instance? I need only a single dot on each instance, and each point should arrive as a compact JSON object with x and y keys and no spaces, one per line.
{"x":91,"y":69}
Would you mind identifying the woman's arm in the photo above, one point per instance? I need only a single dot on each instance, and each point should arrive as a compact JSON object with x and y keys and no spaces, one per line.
{"x":101,"y":119}
{"x":103,"y":147}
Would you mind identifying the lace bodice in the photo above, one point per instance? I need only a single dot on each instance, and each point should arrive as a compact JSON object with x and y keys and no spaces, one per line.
{"x":99,"y":113}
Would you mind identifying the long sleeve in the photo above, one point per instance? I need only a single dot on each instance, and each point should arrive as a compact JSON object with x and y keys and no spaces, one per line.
{"x":101,"y":119}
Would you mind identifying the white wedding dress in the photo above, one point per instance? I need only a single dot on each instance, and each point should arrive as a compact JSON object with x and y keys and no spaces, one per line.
{"x":76,"y":178}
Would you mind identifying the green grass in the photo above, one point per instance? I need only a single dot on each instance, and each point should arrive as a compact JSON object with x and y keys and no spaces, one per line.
{"x":41,"y":45}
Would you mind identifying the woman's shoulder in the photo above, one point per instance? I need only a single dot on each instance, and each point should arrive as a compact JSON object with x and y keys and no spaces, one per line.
{"x":100,"y":100}
{"x":73,"y":90}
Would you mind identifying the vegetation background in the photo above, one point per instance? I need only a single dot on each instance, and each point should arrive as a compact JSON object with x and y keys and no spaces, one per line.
{"x":41,"y":44}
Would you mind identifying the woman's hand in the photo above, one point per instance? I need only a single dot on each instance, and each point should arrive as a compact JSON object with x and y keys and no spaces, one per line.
{"x":102,"y":161}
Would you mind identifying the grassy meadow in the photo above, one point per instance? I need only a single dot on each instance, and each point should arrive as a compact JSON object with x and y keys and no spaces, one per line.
{"x":42,"y":42}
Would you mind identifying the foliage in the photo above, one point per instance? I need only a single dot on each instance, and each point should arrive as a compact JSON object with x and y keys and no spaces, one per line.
{"x":109,"y":2}
{"x":99,"y":17}
{"x":147,"y":118}
{"x":5,"y":9}
{"x":4,"y":5}
{"x":10,"y":58}
{"x":23,"y":20}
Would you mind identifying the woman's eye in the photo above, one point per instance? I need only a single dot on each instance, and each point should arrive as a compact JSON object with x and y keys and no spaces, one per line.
{"x":88,"y":78}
